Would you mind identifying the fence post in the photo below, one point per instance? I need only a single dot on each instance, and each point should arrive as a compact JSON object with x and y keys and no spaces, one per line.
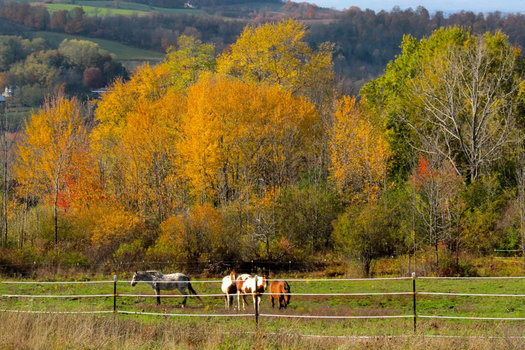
{"x":256,"y":305}
{"x":114,"y":293}
{"x":414,"y":299}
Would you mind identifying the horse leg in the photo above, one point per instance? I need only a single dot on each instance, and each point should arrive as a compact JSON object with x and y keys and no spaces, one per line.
{"x":183,"y":292}
{"x":273,"y":301}
{"x":227,"y":301}
{"x":244,"y":302}
{"x":157,"y":291}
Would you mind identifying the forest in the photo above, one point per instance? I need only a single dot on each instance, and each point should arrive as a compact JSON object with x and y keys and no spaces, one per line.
{"x":257,"y":154}
{"x":36,"y":69}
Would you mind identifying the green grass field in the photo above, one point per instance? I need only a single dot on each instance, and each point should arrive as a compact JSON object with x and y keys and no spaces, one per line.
{"x":122,"y":52}
{"x":308,"y":305}
{"x":107,"y":8}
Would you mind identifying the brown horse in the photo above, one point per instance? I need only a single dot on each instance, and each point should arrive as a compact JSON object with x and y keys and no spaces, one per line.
{"x":280,"y":290}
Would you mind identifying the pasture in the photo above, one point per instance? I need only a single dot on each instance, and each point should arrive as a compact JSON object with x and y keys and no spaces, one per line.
{"x":296,"y":332}
{"x":107,"y":8}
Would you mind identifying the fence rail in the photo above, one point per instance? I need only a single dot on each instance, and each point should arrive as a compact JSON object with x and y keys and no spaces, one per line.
{"x":256,"y":315}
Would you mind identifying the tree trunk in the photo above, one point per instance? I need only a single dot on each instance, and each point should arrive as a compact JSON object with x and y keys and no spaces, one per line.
{"x":436,"y":256}
{"x":6,"y":182}
{"x":55,"y":217}
{"x":366,"y":266}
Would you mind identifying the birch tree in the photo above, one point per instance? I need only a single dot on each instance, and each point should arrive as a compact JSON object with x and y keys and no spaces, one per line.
{"x":45,"y":152}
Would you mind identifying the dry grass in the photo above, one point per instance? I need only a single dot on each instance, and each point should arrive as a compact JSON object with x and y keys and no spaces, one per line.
{"x":29,"y":331}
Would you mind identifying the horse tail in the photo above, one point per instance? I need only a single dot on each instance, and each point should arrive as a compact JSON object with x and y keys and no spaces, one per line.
{"x":287,"y":290}
{"x":192,"y":291}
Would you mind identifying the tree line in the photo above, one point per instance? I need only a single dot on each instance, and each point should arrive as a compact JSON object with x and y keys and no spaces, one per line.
{"x":34,"y":69}
{"x":365,"y":40}
{"x":254,"y":154}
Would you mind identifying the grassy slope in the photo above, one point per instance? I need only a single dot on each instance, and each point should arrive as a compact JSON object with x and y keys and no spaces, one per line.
{"x":121,"y":51}
{"x":106,"y":8}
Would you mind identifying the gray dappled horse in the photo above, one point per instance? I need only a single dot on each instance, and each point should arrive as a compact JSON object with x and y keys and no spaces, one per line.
{"x":159,"y":281}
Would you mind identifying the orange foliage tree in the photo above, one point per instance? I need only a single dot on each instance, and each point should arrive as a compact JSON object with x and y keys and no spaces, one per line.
{"x":239,"y":137}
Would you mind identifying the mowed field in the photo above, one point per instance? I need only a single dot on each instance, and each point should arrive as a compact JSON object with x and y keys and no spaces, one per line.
{"x":272,"y":332}
{"x":107,"y":8}
{"x":122,"y":52}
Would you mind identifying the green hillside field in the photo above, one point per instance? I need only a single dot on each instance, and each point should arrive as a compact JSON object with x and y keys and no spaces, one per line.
{"x":107,"y":8}
{"x":121,"y":51}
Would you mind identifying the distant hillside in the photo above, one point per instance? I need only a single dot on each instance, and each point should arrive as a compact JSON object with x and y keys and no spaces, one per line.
{"x":199,"y":3}
{"x":122,"y":52}
{"x":365,"y":40}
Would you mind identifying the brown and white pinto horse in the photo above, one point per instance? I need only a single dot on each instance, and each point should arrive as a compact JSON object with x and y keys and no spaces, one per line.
{"x":239,"y":283}
{"x":251,"y":285}
{"x":229,"y":287}
{"x":280,"y":291}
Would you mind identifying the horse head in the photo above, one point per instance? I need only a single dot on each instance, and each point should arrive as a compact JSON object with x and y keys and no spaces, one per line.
{"x":134,"y":279}
{"x":265,"y":280}
{"x":262,"y":283}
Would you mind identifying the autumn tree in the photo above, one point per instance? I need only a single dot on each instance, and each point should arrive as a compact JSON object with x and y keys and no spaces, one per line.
{"x":146,"y":86}
{"x":188,"y":60}
{"x":6,"y":145}
{"x":138,"y":130}
{"x":359,"y":151}
{"x":149,"y":156}
{"x":438,"y":204}
{"x":240,"y":137}
{"x":277,"y":53}
{"x":46,"y":151}
{"x":372,"y":230}
{"x":192,"y":237}
{"x":135,"y":141}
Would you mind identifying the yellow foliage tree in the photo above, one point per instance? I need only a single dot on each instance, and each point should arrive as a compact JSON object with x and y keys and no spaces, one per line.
{"x":276,"y":53}
{"x":150,"y":158}
{"x":239,"y":137}
{"x":134,"y":141}
{"x":359,"y":151}
{"x":147,"y":85}
{"x":188,"y":60}
{"x":110,"y":225}
{"x":46,"y":152}
{"x":195,"y":236}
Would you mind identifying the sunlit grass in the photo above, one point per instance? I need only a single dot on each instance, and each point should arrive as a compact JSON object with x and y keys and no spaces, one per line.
{"x":305,"y":305}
